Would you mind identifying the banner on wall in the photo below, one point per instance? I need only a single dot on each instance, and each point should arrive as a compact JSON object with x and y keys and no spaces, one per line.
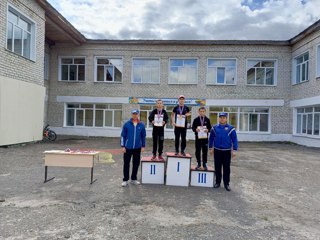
{"x":167,"y":101}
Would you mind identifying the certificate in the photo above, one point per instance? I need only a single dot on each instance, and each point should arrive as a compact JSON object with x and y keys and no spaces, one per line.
{"x":181,"y":120}
{"x":158,"y":120}
{"x":202,"y":134}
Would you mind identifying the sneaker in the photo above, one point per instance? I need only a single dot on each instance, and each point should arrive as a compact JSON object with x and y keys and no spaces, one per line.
{"x":183,"y":154}
{"x":160,"y":158}
{"x":135,"y":182}
{"x":176,"y":153}
{"x":153,"y":157}
{"x":124,"y":183}
{"x":205,"y":167}
{"x":198,"y":167}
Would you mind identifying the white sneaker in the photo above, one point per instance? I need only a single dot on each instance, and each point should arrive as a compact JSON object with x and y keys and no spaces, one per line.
{"x":135,"y":182}
{"x":124,"y":183}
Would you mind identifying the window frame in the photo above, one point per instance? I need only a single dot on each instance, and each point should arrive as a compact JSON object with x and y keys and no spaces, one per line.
{"x":275,"y":82}
{"x":183,"y":58}
{"x":306,"y":114}
{"x":145,"y":58}
{"x":96,"y":69}
{"x":73,"y":57}
{"x":26,"y":18}
{"x":294,"y":67}
{"x":238,"y":116}
{"x":222,"y":84}
{"x":93,"y":109}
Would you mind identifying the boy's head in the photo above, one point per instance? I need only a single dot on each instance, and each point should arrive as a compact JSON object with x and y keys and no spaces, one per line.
{"x":202,"y":111}
{"x":159,"y":103}
{"x":181,"y":99}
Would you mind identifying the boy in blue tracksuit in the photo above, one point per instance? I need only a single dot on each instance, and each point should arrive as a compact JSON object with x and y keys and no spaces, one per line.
{"x":223,"y":138}
{"x":133,"y":142}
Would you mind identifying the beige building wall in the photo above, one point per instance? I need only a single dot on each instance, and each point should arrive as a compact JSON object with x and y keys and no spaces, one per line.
{"x":281,"y":117}
{"x":21,"y":80}
{"x":21,"y":111}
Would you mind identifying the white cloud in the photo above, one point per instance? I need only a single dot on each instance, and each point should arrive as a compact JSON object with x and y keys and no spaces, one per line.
{"x":189,"y":19}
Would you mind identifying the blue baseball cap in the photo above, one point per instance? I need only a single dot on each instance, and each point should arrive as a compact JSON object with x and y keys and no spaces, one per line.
{"x":223,"y":114}
{"x":135,"y":111}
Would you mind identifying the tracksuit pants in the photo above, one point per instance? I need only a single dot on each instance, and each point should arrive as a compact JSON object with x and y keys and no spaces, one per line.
{"x":222,"y":161}
{"x":179,"y":131}
{"x":201,"y":145}
{"x":135,"y":154}
{"x":158,"y":137}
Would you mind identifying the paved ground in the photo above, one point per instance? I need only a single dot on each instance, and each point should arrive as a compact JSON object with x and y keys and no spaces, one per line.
{"x":275,"y":195}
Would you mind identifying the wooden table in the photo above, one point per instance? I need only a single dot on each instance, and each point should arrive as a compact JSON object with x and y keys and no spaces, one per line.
{"x":61,"y":158}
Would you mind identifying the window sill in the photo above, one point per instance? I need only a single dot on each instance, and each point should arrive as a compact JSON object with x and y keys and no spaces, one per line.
{"x":145,"y":83}
{"x":18,"y":55}
{"x":217,"y":84}
{"x":296,"y":84}
{"x":66,"y":81}
{"x":108,"y":82}
{"x":306,"y":136}
{"x":257,"y":85}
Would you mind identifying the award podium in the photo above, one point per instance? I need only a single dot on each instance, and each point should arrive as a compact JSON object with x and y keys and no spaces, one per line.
{"x":178,"y":169}
{"x":202,"y":178}
{"x":152,"y":171}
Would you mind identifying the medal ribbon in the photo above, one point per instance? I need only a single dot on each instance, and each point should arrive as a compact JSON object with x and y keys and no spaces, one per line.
{"x":202,"y":121}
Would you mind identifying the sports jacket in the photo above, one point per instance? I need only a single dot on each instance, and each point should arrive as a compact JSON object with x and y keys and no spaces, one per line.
{"x":133,"y":137}
{"x":223,"y":137}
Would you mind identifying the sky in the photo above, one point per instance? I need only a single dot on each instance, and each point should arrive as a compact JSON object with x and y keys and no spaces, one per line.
{"x":189,"y":19}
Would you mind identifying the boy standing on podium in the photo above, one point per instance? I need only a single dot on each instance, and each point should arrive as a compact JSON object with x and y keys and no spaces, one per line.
{"x":159,"y":118}
{"x":179,"y":121}
{"x":201,"y":126}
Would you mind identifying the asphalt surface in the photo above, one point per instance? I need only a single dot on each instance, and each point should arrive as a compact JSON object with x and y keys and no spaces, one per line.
{"x":275,"y":195}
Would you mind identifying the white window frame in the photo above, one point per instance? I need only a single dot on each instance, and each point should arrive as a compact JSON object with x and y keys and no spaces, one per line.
{"x":73,"y":57}
{"x":94,"y":115}
{"x":145,"y":58}
{"x":21,"y":15}
{"x":96,"y":68}
{"x":216,"y":83}
{"x":184,"y":58}
{"x":238,"y":112}
{"x":295,"y":122}
{"x":262,"y":60}
{"x":294,"y":67}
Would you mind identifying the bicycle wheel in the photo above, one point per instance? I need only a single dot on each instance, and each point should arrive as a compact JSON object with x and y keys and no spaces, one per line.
{"x":52,"y":135}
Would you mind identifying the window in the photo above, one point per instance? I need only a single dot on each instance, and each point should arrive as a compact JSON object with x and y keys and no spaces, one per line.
{"x":20,"y":34}
{"x":244,"y":119}
{"x":108,"y":69}
{"x":221,"y":71}
{"x":145,"y":70}
{"x":183,"y":71}
{"x":232,"y":115}
{"x":145,"y":111}
{"x":261,"y":72}
{"x":72,"y":69}
{"x":308,"y":121}
{"x":93,"y":115}
{"x":301,"y":68}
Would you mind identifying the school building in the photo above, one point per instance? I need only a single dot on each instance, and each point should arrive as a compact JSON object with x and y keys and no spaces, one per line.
{"x":50,"y":73}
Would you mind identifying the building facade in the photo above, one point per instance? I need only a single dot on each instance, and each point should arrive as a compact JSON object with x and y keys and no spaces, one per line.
{"x":271,"y":89}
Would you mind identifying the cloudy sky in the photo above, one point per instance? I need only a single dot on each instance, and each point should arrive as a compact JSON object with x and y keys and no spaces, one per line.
{"x":189,"y":19}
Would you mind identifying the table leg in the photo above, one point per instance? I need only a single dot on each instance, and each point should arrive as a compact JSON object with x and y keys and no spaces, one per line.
{"x":46,"y":174}
{"x":92,"y":181}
